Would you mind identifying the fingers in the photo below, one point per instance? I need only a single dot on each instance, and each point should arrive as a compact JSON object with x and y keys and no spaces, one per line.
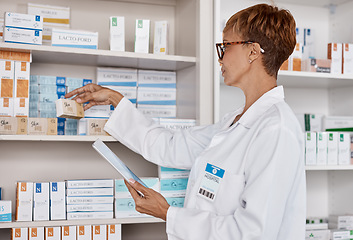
{"x":135,"y":195}
{"x":88,"y":88}
{"x":138,"y":186}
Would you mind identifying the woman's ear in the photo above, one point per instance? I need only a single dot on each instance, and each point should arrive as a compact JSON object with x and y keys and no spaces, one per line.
{"x":255,"y":52}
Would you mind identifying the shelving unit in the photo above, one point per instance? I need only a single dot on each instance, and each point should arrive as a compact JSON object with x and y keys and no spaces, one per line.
{"x":328,"y":187}
{"x":58,"y":158}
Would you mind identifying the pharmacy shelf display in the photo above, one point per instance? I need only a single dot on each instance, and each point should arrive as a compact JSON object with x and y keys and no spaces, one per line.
{"x":61,"y":138}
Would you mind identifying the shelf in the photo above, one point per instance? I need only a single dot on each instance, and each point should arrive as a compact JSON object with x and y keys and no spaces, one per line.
{"x":328,"y":167}
{"x":80,"y":222}
{"x":58,"y":138}
{"x":96,"y":57}
{"x":316,"y":3}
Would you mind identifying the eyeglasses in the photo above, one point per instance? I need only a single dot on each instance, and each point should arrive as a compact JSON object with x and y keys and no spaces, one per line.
{"x":221,"y":47}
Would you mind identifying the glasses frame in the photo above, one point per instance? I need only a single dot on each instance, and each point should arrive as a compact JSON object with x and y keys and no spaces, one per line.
{"x":220,"y":47}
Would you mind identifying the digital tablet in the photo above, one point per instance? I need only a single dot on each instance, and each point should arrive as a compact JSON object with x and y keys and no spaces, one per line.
{"x":119,"y":165}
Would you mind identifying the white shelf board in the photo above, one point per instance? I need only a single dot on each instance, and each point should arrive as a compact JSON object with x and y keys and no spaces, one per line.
{"x":96,"y":57}
{"x":328,"y":167}
{"x":57,"y":223}
{"x":58,"y":138}
{"x":315,"y":3}
{"x":314,"y":79}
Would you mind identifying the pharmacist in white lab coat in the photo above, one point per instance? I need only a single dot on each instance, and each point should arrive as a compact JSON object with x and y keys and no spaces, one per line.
{"x":247,"y":178}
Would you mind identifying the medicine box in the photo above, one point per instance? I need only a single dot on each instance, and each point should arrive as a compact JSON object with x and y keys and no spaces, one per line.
{"x":117,"y":33}
{"x":317,"y":234}
{"x":309,"y":42}
{"x":174,"y":187}
{"x":89,"y":215}
{"x":347,"y":66}
{"x":156,"y":79}
{"x":125,"y":208}
{"x":23,"y":21}
{"x":42,"y":126}
{"x":98,"y":111}
{"x":25,"y":36}
{"x":332,"y":148}
{"x":36,"y":233}
{"x":89,"y":192}
{"x":57,"y":201}
{"x":74,"y":38}
{"x":121,"y":190}
{"x":316,"y":65}
{"x":89,"y":200}
{"x":95,"y":126}
{"x":344,"y":149}
{"x":90,"y":183}
{"x":321,"y":149}
{"x":21,"y":89}
{"x":24,"y":201}
{"x":310,"y":148}
{"x":114,"y":232}
{"x":41,"y":202}
{"x":13,"y":125}
{"x":164,"y":172}
{"x":90,"y":208}
{"x":177,"y":124}
{"x":19,"y":233}
{"x":54,"y":15}
{"x":334,"y":122}
{"x":334,"y":52}
{"x":128,"y":92}
{"x":310,"y":122}
{"x":5,"y":211}
{"x":339,"y":234}
{"x":52,"y":233}
{"x":99,"y":232}
{"x":7,"y":70}
{"x":160,"y":43}
{"x":117,"y":77}
{"x":67,"y":108}
{"x":161,"y":111}
{"x":68,"y":233}
{"x":84,"y":232}
{"x":176,"y":202}
{"x":142,"y":36}
{"x":48,"y":80}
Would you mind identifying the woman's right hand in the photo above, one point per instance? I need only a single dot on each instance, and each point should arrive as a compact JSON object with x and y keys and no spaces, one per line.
{"x":95,"y":95}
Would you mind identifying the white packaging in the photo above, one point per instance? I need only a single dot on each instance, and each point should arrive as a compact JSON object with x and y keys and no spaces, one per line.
{"x":26,"y":36}
{"x":347,"y":58}
{"x":156,"y":96}
{"x":23,"y":21}
{"x":321,"y":149}
{"x":114,"y":232}
{"x":74,"y":38}
{"x":344,"y":149}
{"x":36,"y":233}
{"x":13,"y":126}
{"x":309,"y":42}
{"x":310,"y":148}
{"x":6,"y":87}
{"x":89,"y":215}
{"x":340,"y":222}
{"x":300,"y":35}
{"x":98,"y":111}
{"x":19,"y":233}
{"x":68,"y":233}
{"x":117,"y":33}
{"x":82,"y":127}
{"x":95,"y":126}
{"x":162,"y":111}
{"x":334,"y":52}
{"x":67,"y":108}
{"x":121,"y":190}
{"x":89,"y":192}
{"x":156,"y":79}
{"x":160,"y":43}
{"x":52,"y":233}
{"x":56,"y":15}
{"x":99,"y":232}
{"x":142,"y":36}
{"x":310,"y":122}
{"x":341,"y":234}
{"x":5,"y":211}
{"x":21,"y":89}
{"x":164,"y":172}
{"x":317,"y":234}
{"x":125,"y":208}
{"x":84,"y":232}
{"x":128,"y":92}
{"x":24,"y":201}
{"x":335,"y":122}
{"x":90,"y":208}
{"x":57,"y":201}
{"x":89,"y":200}
{"x":174,"y":187}
{"x":42,"y":126}
{"x":117,"y":77}
{"x":41,"y":202}
{"x":175,"y":124}
{"x":332,"y":148}
{"x":176,"y":201}
{"x":90,"y":183}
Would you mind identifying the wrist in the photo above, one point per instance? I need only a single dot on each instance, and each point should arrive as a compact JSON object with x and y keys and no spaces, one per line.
{"x":115,"y":98}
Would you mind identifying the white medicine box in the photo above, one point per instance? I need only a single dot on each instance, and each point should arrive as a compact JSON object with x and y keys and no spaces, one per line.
{"x":321,"y":151}
{"x":310,"y":148}
{"x":344,"y":149}
{"x":332,"y":148}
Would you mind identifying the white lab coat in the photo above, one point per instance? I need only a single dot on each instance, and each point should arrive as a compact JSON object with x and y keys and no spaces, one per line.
{"x":262,"y":193}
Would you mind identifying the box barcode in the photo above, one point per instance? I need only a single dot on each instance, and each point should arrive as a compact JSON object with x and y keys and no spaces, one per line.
{"x":206,"y":193}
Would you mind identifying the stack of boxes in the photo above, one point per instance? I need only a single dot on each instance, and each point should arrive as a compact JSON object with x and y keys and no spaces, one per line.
{"x":124,"y":203}
{"x":89,"y":199}
{"x":173,"y":185}
{"x":5,"y":211}
{"x":24,"y":201}
{"x":23,"y":28}
{"x":156,"y":95}
{"x":57,"y":201}
{"x":41,"y":202}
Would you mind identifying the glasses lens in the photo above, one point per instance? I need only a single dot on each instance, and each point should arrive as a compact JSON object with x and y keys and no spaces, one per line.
{"x":219,"y":51}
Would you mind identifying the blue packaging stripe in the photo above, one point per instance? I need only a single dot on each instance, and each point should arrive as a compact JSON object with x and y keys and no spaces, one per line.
{"x":126,"y":84}
{"x":214,"y":170}
{"x":158,"y":85}
{"x":24,"y":43}
{"x":169,"y":102}
{"x":76,"y":46}
{"x":5,"y":217}
{"x":134,"y":100}
{"x":165,"y":169}
{"x":22,"y":28}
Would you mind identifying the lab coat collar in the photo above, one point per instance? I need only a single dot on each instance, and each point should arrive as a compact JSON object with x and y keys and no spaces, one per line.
{"x":261,"y":105}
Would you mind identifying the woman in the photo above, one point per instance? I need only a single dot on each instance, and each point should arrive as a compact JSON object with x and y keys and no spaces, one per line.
{"x":247,"y":178}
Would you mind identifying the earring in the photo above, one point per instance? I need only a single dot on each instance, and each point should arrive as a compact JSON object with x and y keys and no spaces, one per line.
{"x":250,"y":61}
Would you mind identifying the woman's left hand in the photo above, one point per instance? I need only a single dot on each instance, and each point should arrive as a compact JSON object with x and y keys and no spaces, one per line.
{"x":153,"y":203}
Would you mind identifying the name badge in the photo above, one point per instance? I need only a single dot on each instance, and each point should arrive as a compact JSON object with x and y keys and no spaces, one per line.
{"x":210,"y":182}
